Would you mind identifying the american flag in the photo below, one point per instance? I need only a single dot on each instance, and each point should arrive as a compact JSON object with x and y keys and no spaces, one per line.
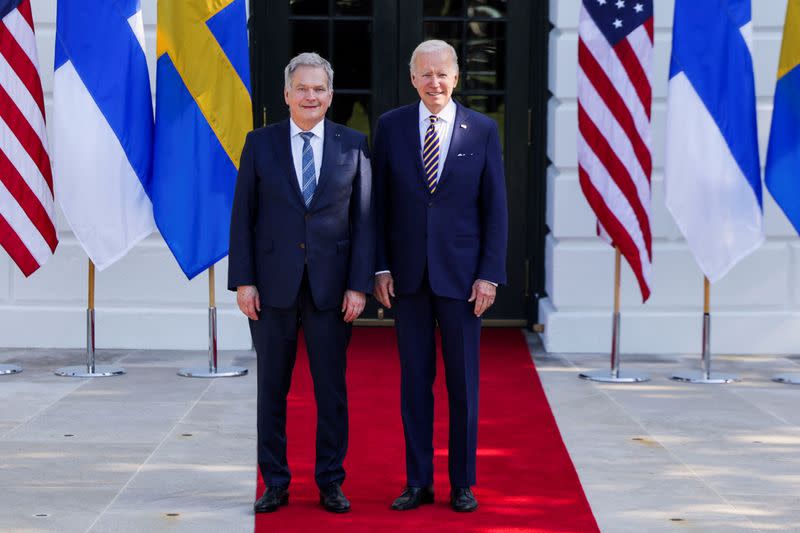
{"x":27,"y":228}
{"x":615,"y":50}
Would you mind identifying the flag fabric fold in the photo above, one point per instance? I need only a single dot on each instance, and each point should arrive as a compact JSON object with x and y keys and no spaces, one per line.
{"x":103,"y":126}
{"x":203,"y":113}
{"x":783,"y":157}
{"x":712,"y":170}
{"x":615,"y":51}
{"x":27,"y":212}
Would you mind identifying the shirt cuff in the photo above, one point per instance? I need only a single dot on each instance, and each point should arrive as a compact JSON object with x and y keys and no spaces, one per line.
{"x":383,"y":272}
{"x":487,"y":281}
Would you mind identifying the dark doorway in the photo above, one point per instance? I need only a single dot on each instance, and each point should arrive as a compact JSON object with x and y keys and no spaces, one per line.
{"x":502,"y":48}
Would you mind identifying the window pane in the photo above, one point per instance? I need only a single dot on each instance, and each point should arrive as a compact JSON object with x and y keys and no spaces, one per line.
{"x":352,"y":60}
{"x":485,"y":60}
{"x":443,"y":8}
{"x":310,"y":36}
{"x":446,"y":31}
{"x":308,"y":7}
{"x":354,"y":7}
{"x":352,"y":110}
{"x":487,"y":8}
{"x":493,"y":106}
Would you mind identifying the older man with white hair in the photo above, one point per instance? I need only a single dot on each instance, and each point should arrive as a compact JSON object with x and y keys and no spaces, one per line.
{"x":441,"y":248}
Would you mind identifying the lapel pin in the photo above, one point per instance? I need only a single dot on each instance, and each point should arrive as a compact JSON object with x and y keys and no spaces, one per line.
{"x":463,"y":126}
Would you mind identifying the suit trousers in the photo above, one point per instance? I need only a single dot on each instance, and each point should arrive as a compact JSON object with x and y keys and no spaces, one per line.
{"x":275,"y":340}
{"x":416,"y":316}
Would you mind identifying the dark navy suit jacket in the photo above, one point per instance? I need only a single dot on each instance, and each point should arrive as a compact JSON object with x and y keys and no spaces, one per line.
{"x":274,"y":237}
{"x":459,"y":233}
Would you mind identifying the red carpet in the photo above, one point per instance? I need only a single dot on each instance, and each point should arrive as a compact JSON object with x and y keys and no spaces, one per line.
{"x":526,"y":480}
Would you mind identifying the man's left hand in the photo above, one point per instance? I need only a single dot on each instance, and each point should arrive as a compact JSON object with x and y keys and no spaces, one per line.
{"x":353,"y":304}
{"x":483,"y":294}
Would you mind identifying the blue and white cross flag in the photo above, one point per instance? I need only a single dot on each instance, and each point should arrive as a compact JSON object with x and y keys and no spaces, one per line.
{"x":102,"y":125}
{"x":712,"y":170}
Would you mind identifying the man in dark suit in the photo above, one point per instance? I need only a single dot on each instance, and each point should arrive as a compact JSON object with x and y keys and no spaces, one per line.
{"x":442,"y":230}
{"x":302,"y":251}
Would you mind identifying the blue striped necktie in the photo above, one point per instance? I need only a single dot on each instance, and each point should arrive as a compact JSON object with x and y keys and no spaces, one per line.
{"x":309,"y":175}
{"x":430,"y":155}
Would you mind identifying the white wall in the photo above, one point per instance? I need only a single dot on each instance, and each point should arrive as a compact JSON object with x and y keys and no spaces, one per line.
{"x":143,"y":301}
{"x":755,"y":309}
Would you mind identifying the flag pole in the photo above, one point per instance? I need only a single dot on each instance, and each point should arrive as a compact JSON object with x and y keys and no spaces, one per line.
{"x":212,"y":371}
{"x":705,"y":375}
{"x":615,"y":375}
{"x":90,"y":370}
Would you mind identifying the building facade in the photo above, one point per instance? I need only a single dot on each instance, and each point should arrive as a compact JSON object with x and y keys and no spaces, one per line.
{"x":518,"y":64}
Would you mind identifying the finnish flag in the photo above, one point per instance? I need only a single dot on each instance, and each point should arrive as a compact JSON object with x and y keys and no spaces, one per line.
{"x":712,"y":169}
{"x":102,"y":125}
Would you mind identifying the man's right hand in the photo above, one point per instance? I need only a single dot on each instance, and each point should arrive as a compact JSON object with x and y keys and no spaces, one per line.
{"x":384,"y":288}
{"x":249,"y":303}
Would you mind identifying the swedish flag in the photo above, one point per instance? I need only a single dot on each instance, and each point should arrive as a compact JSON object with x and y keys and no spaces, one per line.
{"x":203,"y":113}
{"x":783,"y":157}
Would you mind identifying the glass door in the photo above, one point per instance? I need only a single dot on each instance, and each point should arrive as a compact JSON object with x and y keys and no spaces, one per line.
{"x":502,"y":49}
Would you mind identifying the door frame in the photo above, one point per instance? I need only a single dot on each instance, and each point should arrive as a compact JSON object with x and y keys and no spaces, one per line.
{"x":527,"y":89}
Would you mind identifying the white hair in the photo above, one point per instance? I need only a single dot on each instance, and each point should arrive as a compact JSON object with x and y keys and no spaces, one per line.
{"x":307,"y":59}
{"x":432,"y":46}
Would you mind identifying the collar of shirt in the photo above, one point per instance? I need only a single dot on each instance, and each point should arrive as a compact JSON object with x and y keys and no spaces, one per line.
{"x":446,"y":115}
{"x":318,"y":130}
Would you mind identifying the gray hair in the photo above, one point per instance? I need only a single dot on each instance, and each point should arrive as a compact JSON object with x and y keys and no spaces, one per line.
{"x":432,"y":45}
{"x":307,"y":59}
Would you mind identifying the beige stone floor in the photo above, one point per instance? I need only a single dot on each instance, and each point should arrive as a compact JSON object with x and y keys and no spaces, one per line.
{"x":151,"y":451}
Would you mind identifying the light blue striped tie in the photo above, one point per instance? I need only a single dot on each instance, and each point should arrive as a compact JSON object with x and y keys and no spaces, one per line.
{"x":309,"y":175}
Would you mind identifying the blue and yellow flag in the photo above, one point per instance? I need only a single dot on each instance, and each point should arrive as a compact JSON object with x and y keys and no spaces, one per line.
{"x":203,"y":113}
{"x":783,"y":156}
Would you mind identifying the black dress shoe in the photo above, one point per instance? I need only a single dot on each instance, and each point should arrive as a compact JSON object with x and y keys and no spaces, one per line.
{"x":333,"y":499}
{"x":413,"y":497}
{"x":272,"y":498}
{"x":462,"y":500}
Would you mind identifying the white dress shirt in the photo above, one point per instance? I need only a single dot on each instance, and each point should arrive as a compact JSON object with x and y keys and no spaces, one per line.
{"x":297,"y":148}
{"x":444,"y":129}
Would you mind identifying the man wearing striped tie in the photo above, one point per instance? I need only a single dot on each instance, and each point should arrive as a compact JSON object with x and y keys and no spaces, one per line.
{"x":302,"y":250}
{"x":442,"y":221}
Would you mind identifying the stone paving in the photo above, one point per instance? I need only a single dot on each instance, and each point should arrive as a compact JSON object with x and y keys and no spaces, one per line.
{"x":666,"y":456}
{"x":152,"y":451}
